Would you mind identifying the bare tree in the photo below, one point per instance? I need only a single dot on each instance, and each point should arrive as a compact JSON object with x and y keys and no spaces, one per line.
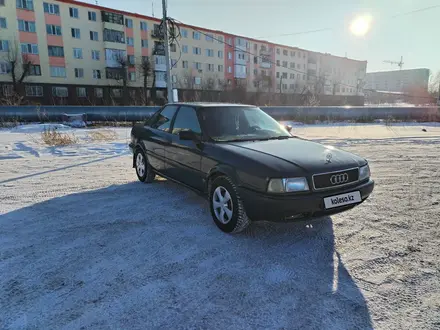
{"x":145,"y":69}
{"x":434,"y":85}
{"x":123,"y":64}
{"x":19,"y":65}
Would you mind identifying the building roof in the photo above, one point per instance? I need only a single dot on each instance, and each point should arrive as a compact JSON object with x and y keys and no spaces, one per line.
{"x":84,"y":4}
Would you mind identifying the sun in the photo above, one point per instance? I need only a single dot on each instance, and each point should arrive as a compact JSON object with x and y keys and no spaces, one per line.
{"x":360,"y":25}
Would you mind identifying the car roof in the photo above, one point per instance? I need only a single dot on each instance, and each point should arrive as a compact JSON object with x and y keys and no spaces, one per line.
{"x":211,"y":104}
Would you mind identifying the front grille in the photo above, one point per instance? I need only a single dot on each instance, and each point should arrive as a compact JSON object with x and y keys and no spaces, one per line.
{"x":335,"y":179}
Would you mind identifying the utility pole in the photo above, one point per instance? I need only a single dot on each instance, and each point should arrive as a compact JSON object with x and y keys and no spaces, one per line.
{"x":167,"y":53}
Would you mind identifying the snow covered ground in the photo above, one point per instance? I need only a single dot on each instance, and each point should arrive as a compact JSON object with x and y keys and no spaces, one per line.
{"x":83,"y":245}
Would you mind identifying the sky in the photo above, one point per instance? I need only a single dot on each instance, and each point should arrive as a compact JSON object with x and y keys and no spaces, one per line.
{"x":393,"y":31}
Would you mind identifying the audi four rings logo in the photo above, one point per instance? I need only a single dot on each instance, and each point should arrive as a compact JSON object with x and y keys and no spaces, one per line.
{"x":339,"y":178}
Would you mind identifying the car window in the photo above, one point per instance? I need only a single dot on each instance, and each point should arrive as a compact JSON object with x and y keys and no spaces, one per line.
{"x":163,"y":119}
{"x":186,"y":118}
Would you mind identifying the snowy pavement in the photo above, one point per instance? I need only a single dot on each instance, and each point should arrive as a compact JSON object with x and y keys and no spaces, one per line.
{"x":83,"y":245}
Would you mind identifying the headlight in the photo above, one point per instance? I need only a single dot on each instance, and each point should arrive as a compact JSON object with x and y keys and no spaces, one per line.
{"x":364,"y":172}
{"x":287,"y":185}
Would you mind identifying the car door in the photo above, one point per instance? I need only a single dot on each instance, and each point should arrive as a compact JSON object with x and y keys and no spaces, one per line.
{"x":184,"y":156}
{"x":157,"y":135}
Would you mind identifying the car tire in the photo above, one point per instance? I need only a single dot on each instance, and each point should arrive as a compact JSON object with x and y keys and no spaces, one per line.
{"x":144,"y":171}
{"x":226,"y":206}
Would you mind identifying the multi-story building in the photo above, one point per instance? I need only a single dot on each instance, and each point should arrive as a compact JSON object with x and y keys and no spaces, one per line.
{"x":78,"y":50}
{"x":398,"y":81}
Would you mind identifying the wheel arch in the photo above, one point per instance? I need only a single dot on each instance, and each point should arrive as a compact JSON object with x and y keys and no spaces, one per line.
{"x":221,"y":170}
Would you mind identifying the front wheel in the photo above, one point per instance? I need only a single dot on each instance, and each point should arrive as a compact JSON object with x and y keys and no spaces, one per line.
{"x":143,"y":168}
{"x":226,"y":206}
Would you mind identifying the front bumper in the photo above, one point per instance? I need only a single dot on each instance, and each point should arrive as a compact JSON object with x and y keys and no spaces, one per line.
{"x":296,"y":206}
{"x":131,"y":146}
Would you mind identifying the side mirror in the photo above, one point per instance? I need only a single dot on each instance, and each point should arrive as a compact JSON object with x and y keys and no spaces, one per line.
{"x":288,"y":128}
{"x":188,"y":135}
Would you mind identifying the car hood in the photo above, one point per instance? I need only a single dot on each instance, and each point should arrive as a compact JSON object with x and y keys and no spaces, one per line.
{"x":312,"y":157}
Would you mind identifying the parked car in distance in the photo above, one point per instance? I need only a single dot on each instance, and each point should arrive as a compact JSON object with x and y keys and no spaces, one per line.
{"x":249,"y":166}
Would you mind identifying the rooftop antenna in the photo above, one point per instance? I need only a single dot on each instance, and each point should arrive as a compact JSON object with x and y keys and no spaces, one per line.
{"x":399,"y":64}
{"x":152,"y":8}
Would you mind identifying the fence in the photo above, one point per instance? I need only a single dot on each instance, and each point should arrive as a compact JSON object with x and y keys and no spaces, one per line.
{"x":138,"y":113}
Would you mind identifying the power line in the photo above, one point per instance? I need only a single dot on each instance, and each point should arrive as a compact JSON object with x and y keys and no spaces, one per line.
{"x":416,"y":11}
{"x":297,"y":33}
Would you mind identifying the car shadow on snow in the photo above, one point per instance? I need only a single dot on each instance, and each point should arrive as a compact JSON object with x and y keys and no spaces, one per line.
{"x":149,"y":256}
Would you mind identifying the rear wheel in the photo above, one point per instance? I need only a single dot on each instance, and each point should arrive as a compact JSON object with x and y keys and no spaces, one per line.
{"x":143,"y":168}
{"x":226,"y":206}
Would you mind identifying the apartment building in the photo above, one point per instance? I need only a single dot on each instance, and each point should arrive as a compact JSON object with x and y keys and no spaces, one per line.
{"x":398,"y":81}
{"x":82,"y":50}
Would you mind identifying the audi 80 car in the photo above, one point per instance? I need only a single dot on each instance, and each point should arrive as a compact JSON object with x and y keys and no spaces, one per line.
{"x":249,"y":166}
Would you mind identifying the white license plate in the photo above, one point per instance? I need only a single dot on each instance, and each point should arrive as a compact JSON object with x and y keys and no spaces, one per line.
{"x":341,"y":200}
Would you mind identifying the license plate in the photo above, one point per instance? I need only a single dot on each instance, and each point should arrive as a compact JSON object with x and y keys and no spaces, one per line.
{"x":341,"y":200}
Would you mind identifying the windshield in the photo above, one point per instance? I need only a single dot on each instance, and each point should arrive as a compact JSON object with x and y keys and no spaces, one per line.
{"x":241,"y":124}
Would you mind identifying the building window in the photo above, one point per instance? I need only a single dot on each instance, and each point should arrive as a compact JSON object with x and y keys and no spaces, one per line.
{"x":34,"y":91}
{"x":292,"y":65}
{"x":144,"y":26}
{"x":129,"y":23}
{"x":96,"y":74}
{"x":229,"y":69}
{"x":197,"y":65}
{"x":99,"y":93}
{"x":112,"y":17}
{"x":185,"y":64}
{"x":29,"y":48}
{"x":35,"y":70}
{"x":51,"y":8}
{"x":8,"y":90}
{"x":210,"y":52}
{"x":304,"y":77}
{"x":77,"y":53}
{"x":278,"y":74}
{"x":278,"y":62}
{"x":132,"y":76}
{"x":3,"y":24}
{"x":197,"y":80}
{"x":60,"y":91}
{"x":2,"y":2}
{"x":284,"y":64}
{"x":209,"y":38}
{"x":79,"y":73}
{"x":184,"y":33}
{"x":285,"y":53}
{"x":4,"y":45}
{"x":58,"y":71}
{"x":292,"y":76}
{"x":5,"y":68}
{"x":81,"y":92}
{"x":92,"y":16}
{"x":229,"y":56}
{"x":196,"y":35}
{"x":114,"y":36}
{"x":94,"y":36}
{"x":184,"y":49}
{"x":74,"y":12}
{"x":173,"y":48}
{"x":76,"y":33}
{"x":56,"y":51}
{"x":24,"y":4}
{"x":220,"y":54}
{"x":210,"y":67}
{"x":26,"y":26}
{"x":144,"y":43}
{"x":130,"y":41}
{"x":220,"y":68}
{"x":131,"y":60}
{"x":54,"y":30}
{"x":284,"y":75}
{"x":116,"y":92}
{"x":197,"y":50}
{"x":173,"y":63}
{"x":278,"y":51}
{"x":96,"y":55}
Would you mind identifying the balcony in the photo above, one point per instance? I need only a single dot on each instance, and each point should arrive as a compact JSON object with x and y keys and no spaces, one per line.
{"x":157,"y":32}
{"x":159,"y":48}
{"x":160,"y":63}
{"x":114,"y":73}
